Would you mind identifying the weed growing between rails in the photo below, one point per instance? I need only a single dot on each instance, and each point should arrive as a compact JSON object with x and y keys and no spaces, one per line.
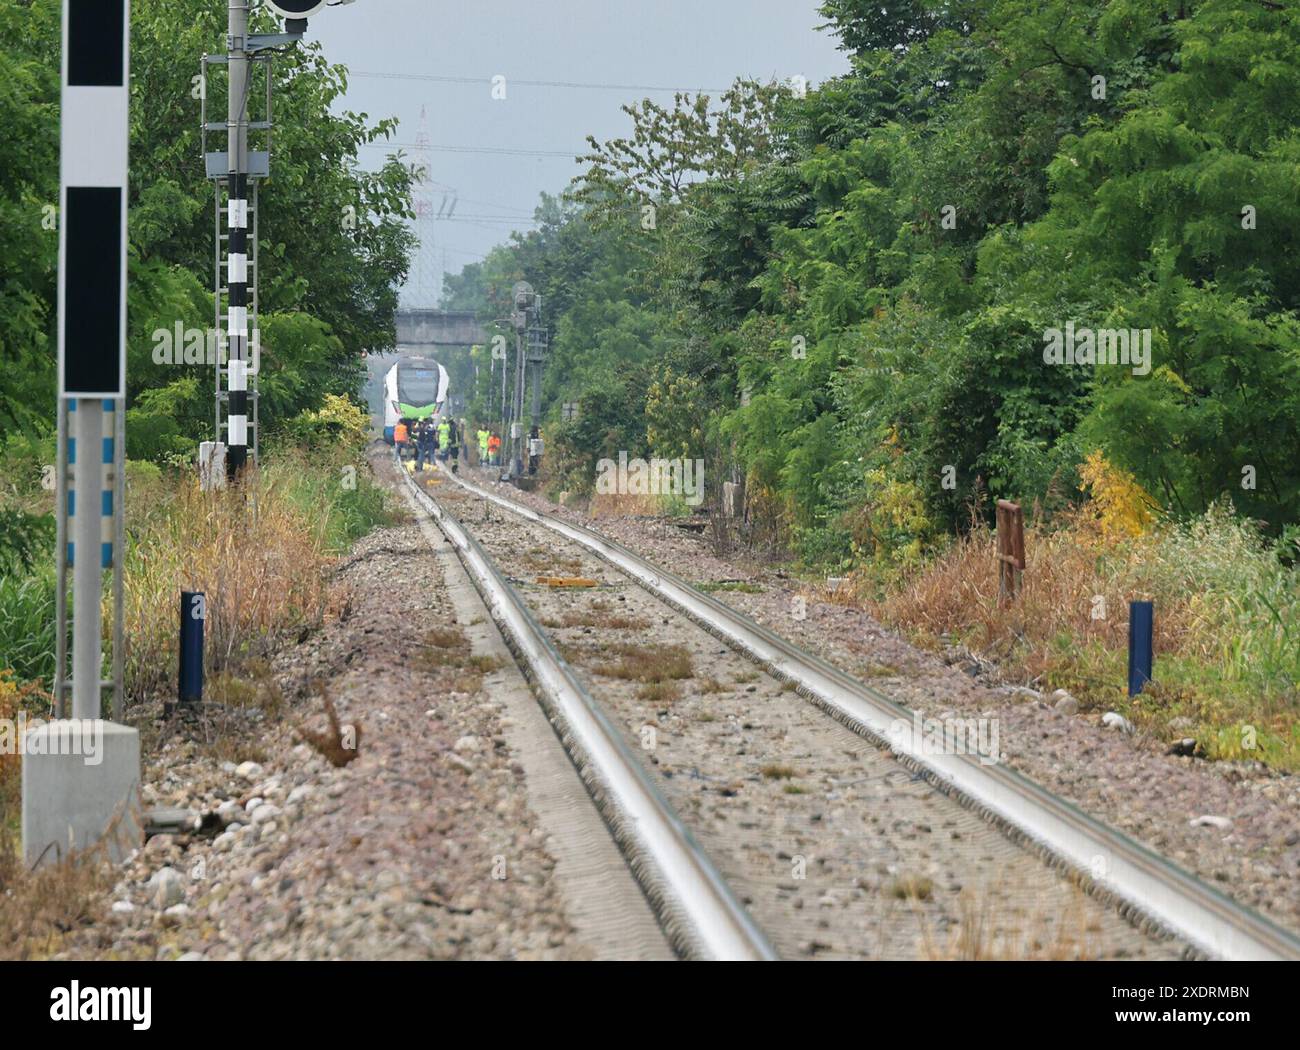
{"x":1227,"y":624}
{"x":265,"y":574}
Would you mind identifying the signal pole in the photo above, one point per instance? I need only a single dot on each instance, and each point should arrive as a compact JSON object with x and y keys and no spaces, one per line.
{"x":240,"y":168}
{"x":530,"y":353}
{"x":81,"y":775}
{"x":519,"y":319}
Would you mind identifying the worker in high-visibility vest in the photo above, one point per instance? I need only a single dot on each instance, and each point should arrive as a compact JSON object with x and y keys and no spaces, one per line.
{"x":400,"y":435}
{"x":444,"y":439}
{"x":483,"y":436}
{"x":494,"y":449}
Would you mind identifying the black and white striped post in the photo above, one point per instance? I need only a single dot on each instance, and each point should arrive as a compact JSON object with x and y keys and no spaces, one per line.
{"x":237,"y":320}
{"x":237,"y":239}
{"x":81,"y":775}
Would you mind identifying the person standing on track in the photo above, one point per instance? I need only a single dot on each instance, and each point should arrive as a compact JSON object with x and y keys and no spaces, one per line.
{"x":426,"y":446}
{"x":444,"y":438}
{"x":400,"y":435}
{"x":453,"y":449}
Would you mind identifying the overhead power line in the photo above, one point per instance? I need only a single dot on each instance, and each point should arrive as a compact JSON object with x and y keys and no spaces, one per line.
{"x":494,"y":150}
{"x":571,"y":84}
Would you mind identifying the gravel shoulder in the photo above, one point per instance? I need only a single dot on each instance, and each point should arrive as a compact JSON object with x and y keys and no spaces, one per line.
{"x":1252,"y":854}
{"x":426,"y":845}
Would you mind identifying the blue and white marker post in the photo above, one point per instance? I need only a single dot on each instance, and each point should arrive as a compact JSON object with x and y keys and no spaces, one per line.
{"x":81,"y":775}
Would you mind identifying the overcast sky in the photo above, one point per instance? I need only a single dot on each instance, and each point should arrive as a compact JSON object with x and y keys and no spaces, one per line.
{"x":625,"y":46}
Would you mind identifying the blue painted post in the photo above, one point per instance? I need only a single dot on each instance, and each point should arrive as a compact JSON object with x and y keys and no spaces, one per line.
{"x":193,"y":612}
{"x":1141,"y":656}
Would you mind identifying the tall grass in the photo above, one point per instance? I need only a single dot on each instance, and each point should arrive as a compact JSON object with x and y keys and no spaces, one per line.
{"x":1227,"y":624}
{"x":259,"y":553}
{"x":27,"y":629}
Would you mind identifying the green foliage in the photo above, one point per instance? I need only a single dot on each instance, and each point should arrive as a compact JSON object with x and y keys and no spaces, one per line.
{"x":24,"y":539}
{"x":333,"y":239}
{"x":845,"y":297}
{"x":333,"y":488}
{"x":27,"y":628}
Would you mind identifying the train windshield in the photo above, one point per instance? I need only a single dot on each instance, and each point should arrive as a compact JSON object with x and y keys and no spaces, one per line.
{"x":418,"y":386}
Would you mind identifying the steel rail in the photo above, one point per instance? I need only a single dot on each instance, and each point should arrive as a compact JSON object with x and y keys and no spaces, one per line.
{"x":1111,"y":864}
{"x":698,"y":909}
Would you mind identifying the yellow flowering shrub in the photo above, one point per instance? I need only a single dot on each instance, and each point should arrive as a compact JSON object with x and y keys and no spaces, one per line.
{"x":1122,"y":506}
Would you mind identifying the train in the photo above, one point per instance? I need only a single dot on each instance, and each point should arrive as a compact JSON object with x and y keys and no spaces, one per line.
{"x":414,"y":388}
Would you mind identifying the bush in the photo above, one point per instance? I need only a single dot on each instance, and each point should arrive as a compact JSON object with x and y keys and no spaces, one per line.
{"x":339,"y":422}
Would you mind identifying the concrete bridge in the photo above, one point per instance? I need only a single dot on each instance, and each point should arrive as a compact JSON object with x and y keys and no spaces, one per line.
{"x":432,"y":328}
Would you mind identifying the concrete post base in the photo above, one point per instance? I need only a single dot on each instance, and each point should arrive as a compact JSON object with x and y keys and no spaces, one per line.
{"x":81,"y":786}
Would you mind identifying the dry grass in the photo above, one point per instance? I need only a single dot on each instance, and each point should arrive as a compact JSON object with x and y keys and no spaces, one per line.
{"x":650,"y":663}
{"x":445,"y":638}
{"x":38,"y":909}
{"x":446,"y":653}
{"x":546,"y":562}
{"x":338,"y":744}
{"x":660,"y":692}
{"x":614,"y":506}
{"x":912,"y":887}
{"x":987,"y":932}
{"x":594,"y":617}
{"x":263,"y":572}
{"x":775,"y":771}
{"x":1227,"y":624}
{"x":252,"y":686}
{"x":16,"y":699}
{"x":958,"y":594}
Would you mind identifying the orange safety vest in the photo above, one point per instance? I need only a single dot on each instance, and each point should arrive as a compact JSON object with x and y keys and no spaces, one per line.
{"x":399,"y":434}
{"x":494,"y":443}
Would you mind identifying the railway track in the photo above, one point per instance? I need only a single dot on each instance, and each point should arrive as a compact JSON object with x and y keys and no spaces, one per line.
{"x":1138,"y":904}
{"x":699,"y":912}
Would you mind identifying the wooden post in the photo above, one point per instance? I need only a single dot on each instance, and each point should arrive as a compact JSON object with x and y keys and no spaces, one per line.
{"x":1011,"y":550}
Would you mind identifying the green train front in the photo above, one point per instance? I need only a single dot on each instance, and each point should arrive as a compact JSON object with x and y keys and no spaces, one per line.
{"x":415,"y":388}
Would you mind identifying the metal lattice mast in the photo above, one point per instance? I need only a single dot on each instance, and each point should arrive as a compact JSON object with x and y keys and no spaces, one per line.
{"x":423,"y":286}
{"x":238,"y":169}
